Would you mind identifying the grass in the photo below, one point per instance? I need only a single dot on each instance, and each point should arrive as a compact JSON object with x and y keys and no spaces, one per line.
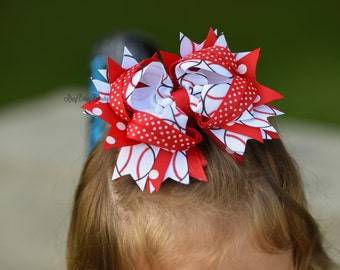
{"x":46,"y":45}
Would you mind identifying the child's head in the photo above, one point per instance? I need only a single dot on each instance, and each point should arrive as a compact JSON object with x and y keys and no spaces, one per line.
{"x":250,"y":216}
{"x":198,"y":116}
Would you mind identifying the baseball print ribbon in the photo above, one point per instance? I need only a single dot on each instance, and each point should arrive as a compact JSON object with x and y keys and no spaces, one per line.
{"x":158,"y":108}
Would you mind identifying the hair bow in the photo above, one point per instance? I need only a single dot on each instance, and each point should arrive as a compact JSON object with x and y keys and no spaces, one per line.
{"x":158,"y":108}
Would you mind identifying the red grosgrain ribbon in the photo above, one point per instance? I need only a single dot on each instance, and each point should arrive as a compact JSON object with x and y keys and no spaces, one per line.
{"x":116,"y":136}
{"x":151,"y":130}
{"x":146,"y":128}
{"x":239,"y":97}
{"x":215,"y":56}
{"x":182,"y":100}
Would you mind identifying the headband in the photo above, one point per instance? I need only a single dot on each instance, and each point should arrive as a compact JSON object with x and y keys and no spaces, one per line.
{"x":159,"y":108}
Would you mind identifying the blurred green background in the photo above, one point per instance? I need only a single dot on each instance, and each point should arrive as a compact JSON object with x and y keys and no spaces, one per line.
{"x":45,"y":45}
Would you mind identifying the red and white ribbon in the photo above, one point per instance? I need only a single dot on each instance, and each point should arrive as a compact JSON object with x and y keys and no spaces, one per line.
{"x":146,"y":124}
{"x":229,"y":103}
{"x":157,"y":109}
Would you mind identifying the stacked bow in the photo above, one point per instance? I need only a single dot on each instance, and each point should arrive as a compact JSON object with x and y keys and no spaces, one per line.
{"x":158,"y":108}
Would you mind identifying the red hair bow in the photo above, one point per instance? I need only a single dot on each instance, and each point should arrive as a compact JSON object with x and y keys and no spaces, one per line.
{"x":157,"y":109}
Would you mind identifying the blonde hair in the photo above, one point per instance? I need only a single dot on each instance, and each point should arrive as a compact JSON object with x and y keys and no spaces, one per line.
{"x":115,"y":225}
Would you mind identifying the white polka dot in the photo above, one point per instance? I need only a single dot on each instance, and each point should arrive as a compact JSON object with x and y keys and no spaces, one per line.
{"x":242,"y":69}
{"x":110,"y":140}
{"x":257,"y":99}
{"x":121,"y":126}
{"x":97,"y":111}
{"x":153,"y":174}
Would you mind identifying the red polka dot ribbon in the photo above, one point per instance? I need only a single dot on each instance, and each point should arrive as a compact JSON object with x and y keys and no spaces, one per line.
{"x":147,"y":128}
{"x":158,"y":108}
